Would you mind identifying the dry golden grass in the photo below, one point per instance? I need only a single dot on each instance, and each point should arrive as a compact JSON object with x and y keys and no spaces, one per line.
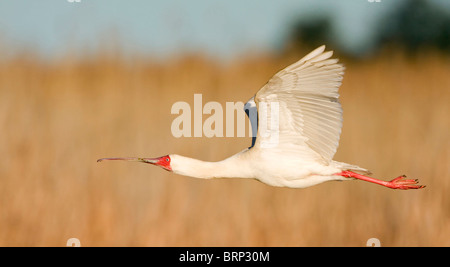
{"x":58,"y":118}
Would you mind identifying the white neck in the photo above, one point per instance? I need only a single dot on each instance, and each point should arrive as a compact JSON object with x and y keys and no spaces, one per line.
{"x":233,"y":167}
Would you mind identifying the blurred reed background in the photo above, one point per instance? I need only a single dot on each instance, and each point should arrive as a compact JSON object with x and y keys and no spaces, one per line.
{"x":58,"y":117}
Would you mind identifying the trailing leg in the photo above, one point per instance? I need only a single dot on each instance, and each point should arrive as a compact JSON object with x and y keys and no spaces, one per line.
{"x":397,"y":183}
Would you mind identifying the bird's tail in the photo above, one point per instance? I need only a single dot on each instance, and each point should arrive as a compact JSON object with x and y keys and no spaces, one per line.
{"x":354,"y":168}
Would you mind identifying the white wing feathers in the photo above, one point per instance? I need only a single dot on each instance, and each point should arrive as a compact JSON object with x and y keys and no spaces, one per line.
{"x":310,"y":115}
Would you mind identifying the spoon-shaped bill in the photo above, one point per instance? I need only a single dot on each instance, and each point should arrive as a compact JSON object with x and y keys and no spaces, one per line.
{"x":146,"y":160}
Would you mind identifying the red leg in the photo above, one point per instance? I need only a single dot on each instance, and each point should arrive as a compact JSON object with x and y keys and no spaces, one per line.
{"x":397,"y":183}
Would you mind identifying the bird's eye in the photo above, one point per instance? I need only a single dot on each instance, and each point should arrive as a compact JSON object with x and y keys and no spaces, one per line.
{"x":167,"y":159}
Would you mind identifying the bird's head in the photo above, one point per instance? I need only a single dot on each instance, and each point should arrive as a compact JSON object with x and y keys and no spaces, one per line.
{"x":163,"y":162}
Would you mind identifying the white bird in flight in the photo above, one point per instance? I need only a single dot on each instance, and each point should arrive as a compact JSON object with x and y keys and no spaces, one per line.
{"x":303,"y":120}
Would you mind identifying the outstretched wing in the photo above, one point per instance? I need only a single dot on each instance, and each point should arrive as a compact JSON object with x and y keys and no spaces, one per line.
{"x":252,"y":114}
{"x":305,"y":95}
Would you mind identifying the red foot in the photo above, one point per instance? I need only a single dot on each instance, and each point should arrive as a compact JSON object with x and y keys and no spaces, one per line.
{"x":400,"y":183}
{"x":397,"y":183}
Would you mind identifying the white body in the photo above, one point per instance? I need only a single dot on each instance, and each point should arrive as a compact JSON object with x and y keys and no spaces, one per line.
{"x":293,"y":173}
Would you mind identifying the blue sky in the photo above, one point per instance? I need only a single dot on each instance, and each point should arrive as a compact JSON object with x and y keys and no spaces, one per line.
{"x":161,"y":28}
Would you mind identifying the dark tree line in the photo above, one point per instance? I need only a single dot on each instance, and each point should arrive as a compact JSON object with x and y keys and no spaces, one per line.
{"x":413,"y":26}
